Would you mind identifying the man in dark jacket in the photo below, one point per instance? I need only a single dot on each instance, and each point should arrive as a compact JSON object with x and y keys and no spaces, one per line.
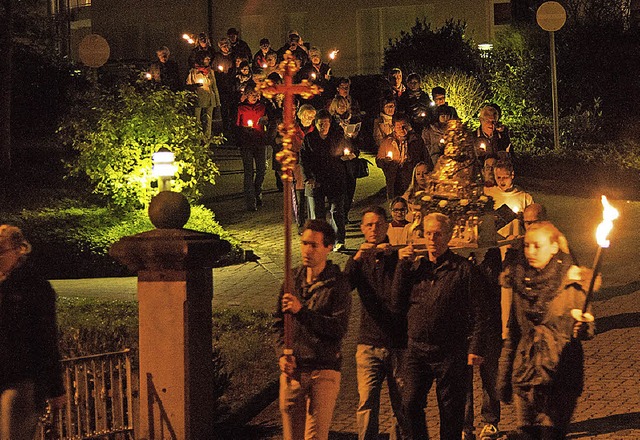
{"x":398,"y":154}
{"x":382,"y":335}
{"x":239,"y":48}
{"x":442,"y":295}
{"x":30,"y":370}
{"x":320,"y":304}
{"x":325,"y":173}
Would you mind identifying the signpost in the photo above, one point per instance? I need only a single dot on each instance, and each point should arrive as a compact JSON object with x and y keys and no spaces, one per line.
{"x":551,"y":16}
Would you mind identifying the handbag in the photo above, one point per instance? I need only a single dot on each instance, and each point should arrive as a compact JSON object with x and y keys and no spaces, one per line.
{"x":361,"y":167}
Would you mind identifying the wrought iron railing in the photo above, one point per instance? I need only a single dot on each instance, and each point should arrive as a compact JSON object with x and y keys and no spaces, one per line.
{"x":99,"y":391}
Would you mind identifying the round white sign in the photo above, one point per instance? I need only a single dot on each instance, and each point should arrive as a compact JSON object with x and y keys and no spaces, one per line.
{"x":551,"y":16}
{"x":94,"y":50}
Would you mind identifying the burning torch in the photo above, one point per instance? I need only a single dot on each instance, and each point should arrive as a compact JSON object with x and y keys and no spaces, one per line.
{"x":609,"y":214}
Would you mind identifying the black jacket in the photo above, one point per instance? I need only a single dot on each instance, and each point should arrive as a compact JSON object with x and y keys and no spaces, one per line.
{"x":373,"y":277}
{"x":318,"y":328}
{"x":28,"y":333}
{"x":321,"y":161}
{"x":443,"y":302}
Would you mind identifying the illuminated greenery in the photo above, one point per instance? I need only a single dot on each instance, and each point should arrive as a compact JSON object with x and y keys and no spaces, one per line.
{"x":71,"y":239}
{"x":464,"y":92}
{"x":115,"y":133}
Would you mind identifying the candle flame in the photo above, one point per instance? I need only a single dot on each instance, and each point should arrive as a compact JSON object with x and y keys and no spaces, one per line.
{"x":346,"y":152}
{"x":250,"y":123}
{"x":390,"y":154}
{"x":188,"y":38}
{"x":515,"y":209}
{"x":423,"y":114}
{"x":264,"y":66}
{"x":220,"y":68}
{"x":483,"y":146}
{"x":609,"y":214}
{"x":442,"y":140}
{"x":148,"y":75}
{"x":333,"y":54}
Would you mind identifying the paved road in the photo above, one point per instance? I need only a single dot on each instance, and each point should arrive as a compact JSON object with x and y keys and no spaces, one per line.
{"x":610,"y":405}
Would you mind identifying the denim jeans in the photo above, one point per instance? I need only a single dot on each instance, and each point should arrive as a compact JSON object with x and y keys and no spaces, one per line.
{"x":306,"y":404}
{"x":336,"y":207}
{"x":253,"y":158}
{"x":374,"y":365}
{"x":18,"y":412}
{"x":490,"y":411}
{"x":421,"y":366}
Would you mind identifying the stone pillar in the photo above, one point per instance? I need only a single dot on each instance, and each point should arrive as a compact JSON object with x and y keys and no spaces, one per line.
{"x":175,"y":289}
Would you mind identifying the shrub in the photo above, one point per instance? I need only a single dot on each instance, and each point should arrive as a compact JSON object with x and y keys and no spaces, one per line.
{"x":71,"y":241}
{"x":424,"y":49}
{"x":464,"y":91}
{"x":115,"y":132}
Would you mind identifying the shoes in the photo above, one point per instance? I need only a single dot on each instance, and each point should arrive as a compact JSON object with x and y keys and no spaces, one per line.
{"x":466,"y":435}
{"x":259,"y":200}
{"x":338,"y":247}
{"x":489,"y":432}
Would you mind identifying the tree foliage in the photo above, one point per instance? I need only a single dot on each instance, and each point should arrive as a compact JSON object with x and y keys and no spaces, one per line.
{"x":464,"y":91}
{"x":424,"y":49}
{"x":115,"y":132}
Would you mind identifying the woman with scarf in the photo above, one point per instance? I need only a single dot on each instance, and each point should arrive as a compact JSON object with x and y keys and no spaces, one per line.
{"x":541,"y":366}
{"x":30,"y":369}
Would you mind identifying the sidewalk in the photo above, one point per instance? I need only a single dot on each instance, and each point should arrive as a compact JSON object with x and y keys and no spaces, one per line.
{"x":609,"y":407}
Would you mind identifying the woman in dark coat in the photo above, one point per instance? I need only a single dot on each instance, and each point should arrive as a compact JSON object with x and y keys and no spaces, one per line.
{"x":541,"y":366}
{"x":29,"y":360}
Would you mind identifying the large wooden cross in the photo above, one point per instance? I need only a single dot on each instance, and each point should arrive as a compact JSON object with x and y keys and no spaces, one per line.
{"x":288,"y":159}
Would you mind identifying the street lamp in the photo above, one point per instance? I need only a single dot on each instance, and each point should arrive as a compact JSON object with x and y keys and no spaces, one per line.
{"x":163,"y":168}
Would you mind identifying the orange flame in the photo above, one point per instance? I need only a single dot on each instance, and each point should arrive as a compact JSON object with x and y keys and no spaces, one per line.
{"x":609,"y":214}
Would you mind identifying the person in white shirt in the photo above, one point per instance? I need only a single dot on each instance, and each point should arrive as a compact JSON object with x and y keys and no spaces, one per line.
{"x":506,"y":193}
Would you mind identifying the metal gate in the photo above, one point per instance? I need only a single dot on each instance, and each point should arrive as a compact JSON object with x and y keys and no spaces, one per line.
{"x":99,"y":391}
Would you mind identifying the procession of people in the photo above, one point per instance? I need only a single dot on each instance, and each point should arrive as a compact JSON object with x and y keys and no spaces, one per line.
{"x":427,"y":316}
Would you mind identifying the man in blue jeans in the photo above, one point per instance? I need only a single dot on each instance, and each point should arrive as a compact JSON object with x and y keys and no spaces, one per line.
{"x":382,"y":335}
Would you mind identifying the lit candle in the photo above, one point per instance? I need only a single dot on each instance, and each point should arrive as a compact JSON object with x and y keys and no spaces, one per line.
{"x":483,"y":146}
{"x":220,"y":68}
{"x":423,"y":114}
{"x":333,"y":54}
{"x":188,"y":38}
{"x":442,"y":140}
{"x":390,"y":155}
{"x":249,"y":123}
{"x":346,"y":152}
{"x":148,"y":75}
{"x":515,"y":209}
{"x":201,"y":80}
{"x":265,"y":65}
{"x":313,"y":76}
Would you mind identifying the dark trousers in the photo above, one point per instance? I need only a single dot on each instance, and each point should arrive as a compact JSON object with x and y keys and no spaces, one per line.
{"x":350,"y":192}
{"x":253,"y":159}
{"x":336,"y":208}
{"x":490,"y":410}
{"x":301,"y":208}
{"x":423,"y":365}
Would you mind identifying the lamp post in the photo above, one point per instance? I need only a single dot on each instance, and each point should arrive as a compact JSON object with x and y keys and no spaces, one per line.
{"x":163,"y":168}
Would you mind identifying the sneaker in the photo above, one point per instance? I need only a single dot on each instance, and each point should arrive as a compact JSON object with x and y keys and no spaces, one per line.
{"x":467,"y":435}
{"x":338,"y":247}
{"x":489,"y":432}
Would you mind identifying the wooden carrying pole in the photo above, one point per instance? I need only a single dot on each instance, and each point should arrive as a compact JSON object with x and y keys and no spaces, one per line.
{"x":288,"y":160}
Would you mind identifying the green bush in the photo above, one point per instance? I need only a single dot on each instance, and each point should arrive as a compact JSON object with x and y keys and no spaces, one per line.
{"x":464,"y":91}
{"x":71,"y":241}
{"x":115,"y":132}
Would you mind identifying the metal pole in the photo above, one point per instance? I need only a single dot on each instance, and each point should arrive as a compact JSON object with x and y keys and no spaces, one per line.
{"x":554,"y":92}
{"x":287,"y":179}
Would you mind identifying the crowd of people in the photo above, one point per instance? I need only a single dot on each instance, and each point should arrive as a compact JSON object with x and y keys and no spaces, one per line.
{"x":428,"y":314}
{"x":431,"y":315}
